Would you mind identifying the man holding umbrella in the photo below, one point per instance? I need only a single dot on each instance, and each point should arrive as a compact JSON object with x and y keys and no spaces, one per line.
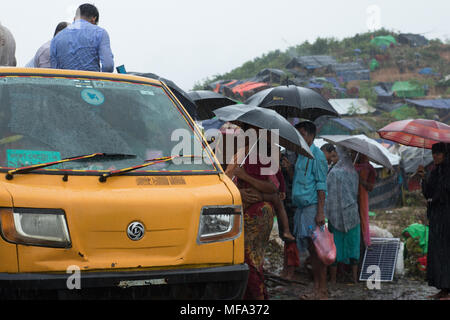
{"x":309,"y":191}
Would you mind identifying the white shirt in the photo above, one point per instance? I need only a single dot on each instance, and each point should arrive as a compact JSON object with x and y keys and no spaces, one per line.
{"x":42,"y":57}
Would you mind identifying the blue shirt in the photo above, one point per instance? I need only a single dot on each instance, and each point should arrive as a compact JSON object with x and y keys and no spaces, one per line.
{"x":310,"y":176}
{"x":82,"y":46}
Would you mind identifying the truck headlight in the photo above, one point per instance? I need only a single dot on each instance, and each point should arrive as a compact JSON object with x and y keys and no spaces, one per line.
{"x":220,"y":223}
{"x":35,"y":227}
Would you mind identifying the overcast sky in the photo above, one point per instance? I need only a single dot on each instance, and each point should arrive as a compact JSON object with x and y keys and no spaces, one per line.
{"x":187,"y":41}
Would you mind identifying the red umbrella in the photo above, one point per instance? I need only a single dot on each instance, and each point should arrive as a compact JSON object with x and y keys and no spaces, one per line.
{"x":419,"y":133}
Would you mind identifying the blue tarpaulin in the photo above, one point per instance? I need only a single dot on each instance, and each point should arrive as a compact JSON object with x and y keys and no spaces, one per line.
{"x":382,"y":92}
{"x":351,"y":71}
{"x":436,"y":103}
{"x":318,"y":83}
{"x":353,"y":75}
{"x":343,"y":126}
{"x":353,"y":124}
{"x":428,"y":72}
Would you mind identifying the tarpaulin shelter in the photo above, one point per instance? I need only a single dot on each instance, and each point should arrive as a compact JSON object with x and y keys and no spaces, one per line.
{"x":408,"y":89}
{"x":384,"y":92}
{"x":428,"y":72}
{"x":374,"y":64}
{"x":321,"y":82}
{"x":271,"y":75}
{"x":431,"y":103}
{"x":342,"y":126}
{"x":351,"y":71}
{"x":389,"y":107}
{"x":387,"y":192}
{"x":227,"y":88}
{"x":351,"y":106}
{"x":311,"y":62}
{"x":414,"y":40}
{"x":383,"y":41}
{"x":301,"y":82}
{"x":216,"y":85}
{"x":246,"y":89}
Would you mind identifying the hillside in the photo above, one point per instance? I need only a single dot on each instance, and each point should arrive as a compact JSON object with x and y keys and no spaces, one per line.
{"x":378,"y":64}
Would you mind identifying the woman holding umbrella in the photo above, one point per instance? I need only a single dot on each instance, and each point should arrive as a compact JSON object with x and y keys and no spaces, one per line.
{"x":259,"y":211}
{"x":436,"y":189}
{"x":260,"y":196}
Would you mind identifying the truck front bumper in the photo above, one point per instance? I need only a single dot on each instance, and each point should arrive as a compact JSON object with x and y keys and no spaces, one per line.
{"x":216,"y":283}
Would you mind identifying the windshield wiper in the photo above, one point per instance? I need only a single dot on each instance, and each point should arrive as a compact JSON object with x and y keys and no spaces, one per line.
{"x":147,"y":163}
{"x":23,"y":170}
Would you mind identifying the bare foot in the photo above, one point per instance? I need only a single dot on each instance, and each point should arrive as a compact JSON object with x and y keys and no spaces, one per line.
{"x":287,"y":237}
{"x":290,"y":273}
{"x":323,"y":295}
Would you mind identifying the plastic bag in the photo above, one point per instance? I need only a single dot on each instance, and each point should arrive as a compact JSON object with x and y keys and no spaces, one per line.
{"x":324,"y":243}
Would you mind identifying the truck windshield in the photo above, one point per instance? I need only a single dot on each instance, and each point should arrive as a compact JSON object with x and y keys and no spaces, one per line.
{"x":45,"y":119}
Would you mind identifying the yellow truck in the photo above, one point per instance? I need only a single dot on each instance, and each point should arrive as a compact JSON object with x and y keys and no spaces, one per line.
{"x":108,"y":189}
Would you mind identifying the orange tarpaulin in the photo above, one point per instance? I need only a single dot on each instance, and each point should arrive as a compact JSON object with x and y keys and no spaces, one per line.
{"x":240,"y":89}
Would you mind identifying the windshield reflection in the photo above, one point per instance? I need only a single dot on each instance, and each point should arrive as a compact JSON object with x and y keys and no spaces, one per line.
{"x":49,"y":119}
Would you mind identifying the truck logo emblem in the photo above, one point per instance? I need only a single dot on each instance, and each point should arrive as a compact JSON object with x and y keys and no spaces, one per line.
{"x":136,"y":231}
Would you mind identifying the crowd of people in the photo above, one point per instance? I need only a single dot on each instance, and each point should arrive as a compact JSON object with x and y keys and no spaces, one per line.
{"x":81,"y":45}
{"x":312,"y":190}
{"x":332,"y":189}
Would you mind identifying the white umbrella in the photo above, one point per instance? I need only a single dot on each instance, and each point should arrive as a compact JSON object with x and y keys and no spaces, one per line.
{"x":364,"y":145}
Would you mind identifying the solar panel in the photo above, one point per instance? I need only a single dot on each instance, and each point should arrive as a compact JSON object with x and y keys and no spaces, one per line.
{"x":382,"y":253}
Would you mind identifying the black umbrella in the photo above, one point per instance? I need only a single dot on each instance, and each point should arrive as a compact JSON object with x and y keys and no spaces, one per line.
{"x":268,"y":119}
{"x":181,"y":95}
{"x":207,"y":101}
{"x":293,"y":102}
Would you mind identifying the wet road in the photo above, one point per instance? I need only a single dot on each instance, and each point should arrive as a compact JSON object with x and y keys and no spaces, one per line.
{"x":401,"y":288}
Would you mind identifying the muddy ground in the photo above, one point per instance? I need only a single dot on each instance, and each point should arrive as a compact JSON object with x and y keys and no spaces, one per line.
{"x":403,"y":287}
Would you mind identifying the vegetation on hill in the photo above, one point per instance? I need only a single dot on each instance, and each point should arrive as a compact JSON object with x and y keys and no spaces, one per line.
{"x":436,"y":56}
